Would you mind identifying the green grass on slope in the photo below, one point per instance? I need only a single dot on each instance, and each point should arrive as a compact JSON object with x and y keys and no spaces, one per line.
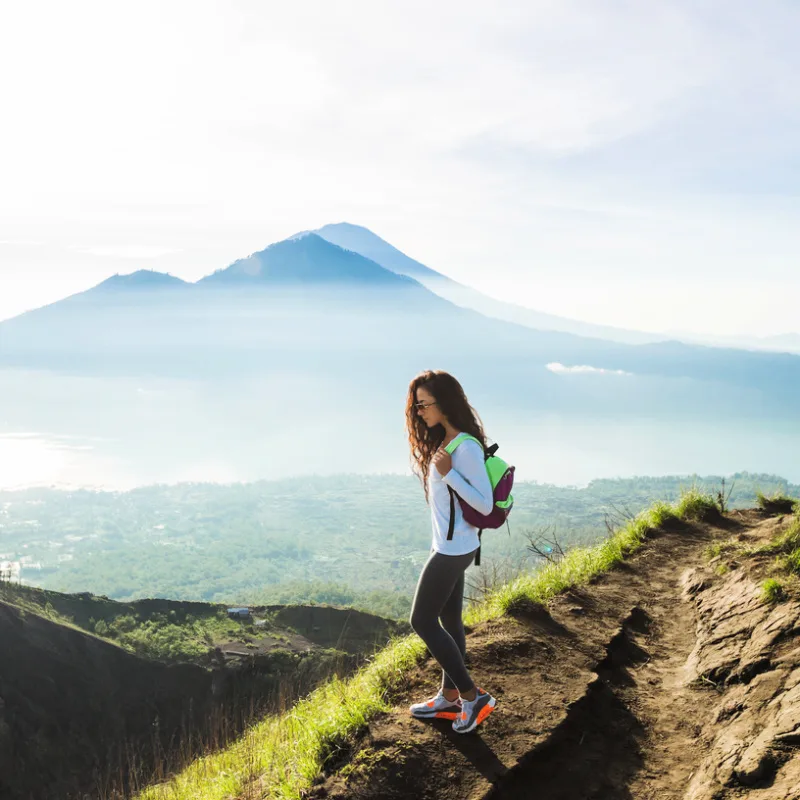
{"x":772,"y":591}
{"x":581,"y":564}
{"x":787,"y":549}
{"x":786,"y":544}
{"x":280,"y":756}
{"x":777,"y":503}
{"x":28,"y":600}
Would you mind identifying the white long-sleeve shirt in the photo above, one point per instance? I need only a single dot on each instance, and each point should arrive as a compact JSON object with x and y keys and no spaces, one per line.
{"x":470,"y":481}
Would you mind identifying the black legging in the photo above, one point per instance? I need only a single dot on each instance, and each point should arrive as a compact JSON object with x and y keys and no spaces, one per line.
{"x":440,"y":596}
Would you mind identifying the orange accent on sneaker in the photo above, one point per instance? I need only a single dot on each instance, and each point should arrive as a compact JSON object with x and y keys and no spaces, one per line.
{"x":483,"y":713}
{"x":431,"y":703}
{"x":463,"y":715}
{"x":451,"y":715}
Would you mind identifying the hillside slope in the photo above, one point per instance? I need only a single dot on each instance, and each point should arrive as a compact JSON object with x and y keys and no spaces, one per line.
{"x":80,"y":713}
{"x":669,"y":677}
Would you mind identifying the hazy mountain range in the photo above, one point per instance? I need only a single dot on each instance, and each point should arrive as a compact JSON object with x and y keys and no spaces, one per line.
{"x":307,"y":302}
{"x":310,"y":339}
{"x":363,"y":241}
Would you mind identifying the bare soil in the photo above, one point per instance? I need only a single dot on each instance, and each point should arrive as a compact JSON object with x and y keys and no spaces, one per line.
{"x":668,"y":678}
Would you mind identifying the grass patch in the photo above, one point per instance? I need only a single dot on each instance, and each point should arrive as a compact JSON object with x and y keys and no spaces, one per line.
{"x":787,"y":547}
{"x":789,"y":540}
{"x":777,"y":503}
{"x":718,"y":550}
{"x":281,"y":756}
{"x":791,"y":562}
{"x":782,"y":545}
{"x":772,"y":591}
{"x":695,"y":504}
{"x":661,"y":514}
{"x":713,"y":551}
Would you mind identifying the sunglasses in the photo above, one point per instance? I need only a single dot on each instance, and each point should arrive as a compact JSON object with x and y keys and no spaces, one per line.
{"x":424,"y":405}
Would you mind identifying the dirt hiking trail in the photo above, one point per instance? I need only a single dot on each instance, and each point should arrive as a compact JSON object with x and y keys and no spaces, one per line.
{"x":668,"y":678}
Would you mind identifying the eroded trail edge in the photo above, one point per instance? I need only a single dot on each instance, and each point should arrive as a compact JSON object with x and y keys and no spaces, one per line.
{"x":661,"y":679}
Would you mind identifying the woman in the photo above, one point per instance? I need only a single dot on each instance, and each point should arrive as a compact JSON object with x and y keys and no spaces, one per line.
{"x":437,"y":411}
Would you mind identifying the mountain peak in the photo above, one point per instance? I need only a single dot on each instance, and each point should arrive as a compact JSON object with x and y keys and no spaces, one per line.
{"x":303,"y":259}
{"x":345,"y":227}
{"x":364,"y":241}
{"x":140,"y":280}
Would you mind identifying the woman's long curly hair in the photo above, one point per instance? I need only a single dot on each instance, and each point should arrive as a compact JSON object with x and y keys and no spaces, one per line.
{"x":453,"y":403}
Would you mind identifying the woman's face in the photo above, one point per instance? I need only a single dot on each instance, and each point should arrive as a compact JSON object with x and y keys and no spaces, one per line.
{"x":427,"y":409}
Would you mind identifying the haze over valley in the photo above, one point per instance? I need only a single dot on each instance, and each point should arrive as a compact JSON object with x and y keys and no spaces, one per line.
{"x":295,"y":360}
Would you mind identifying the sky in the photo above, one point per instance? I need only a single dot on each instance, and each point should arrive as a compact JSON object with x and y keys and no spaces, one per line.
{"x":627,"y":163}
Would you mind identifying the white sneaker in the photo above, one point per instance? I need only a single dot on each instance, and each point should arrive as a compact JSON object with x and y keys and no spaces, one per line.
{"x":473,"y":712}
{"x":438,"y":707}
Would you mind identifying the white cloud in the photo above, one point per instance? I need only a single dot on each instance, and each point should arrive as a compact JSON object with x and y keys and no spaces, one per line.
{"x":561,"y":369}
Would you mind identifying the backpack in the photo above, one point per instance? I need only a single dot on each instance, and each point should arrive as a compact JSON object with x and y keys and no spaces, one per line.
{"x":501,"y":477}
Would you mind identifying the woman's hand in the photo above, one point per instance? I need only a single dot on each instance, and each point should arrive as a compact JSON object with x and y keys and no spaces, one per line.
{"x":443,"y":461}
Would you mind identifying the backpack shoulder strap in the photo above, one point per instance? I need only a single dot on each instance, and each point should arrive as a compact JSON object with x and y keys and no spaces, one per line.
{"x":452,"y":525}
{"x":462,"y":437}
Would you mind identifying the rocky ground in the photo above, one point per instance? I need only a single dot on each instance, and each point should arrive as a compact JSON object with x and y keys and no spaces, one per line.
{"x":669,"y":678}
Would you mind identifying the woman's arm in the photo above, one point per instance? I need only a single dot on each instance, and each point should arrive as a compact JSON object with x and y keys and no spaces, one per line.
{"x":471,"y":481}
